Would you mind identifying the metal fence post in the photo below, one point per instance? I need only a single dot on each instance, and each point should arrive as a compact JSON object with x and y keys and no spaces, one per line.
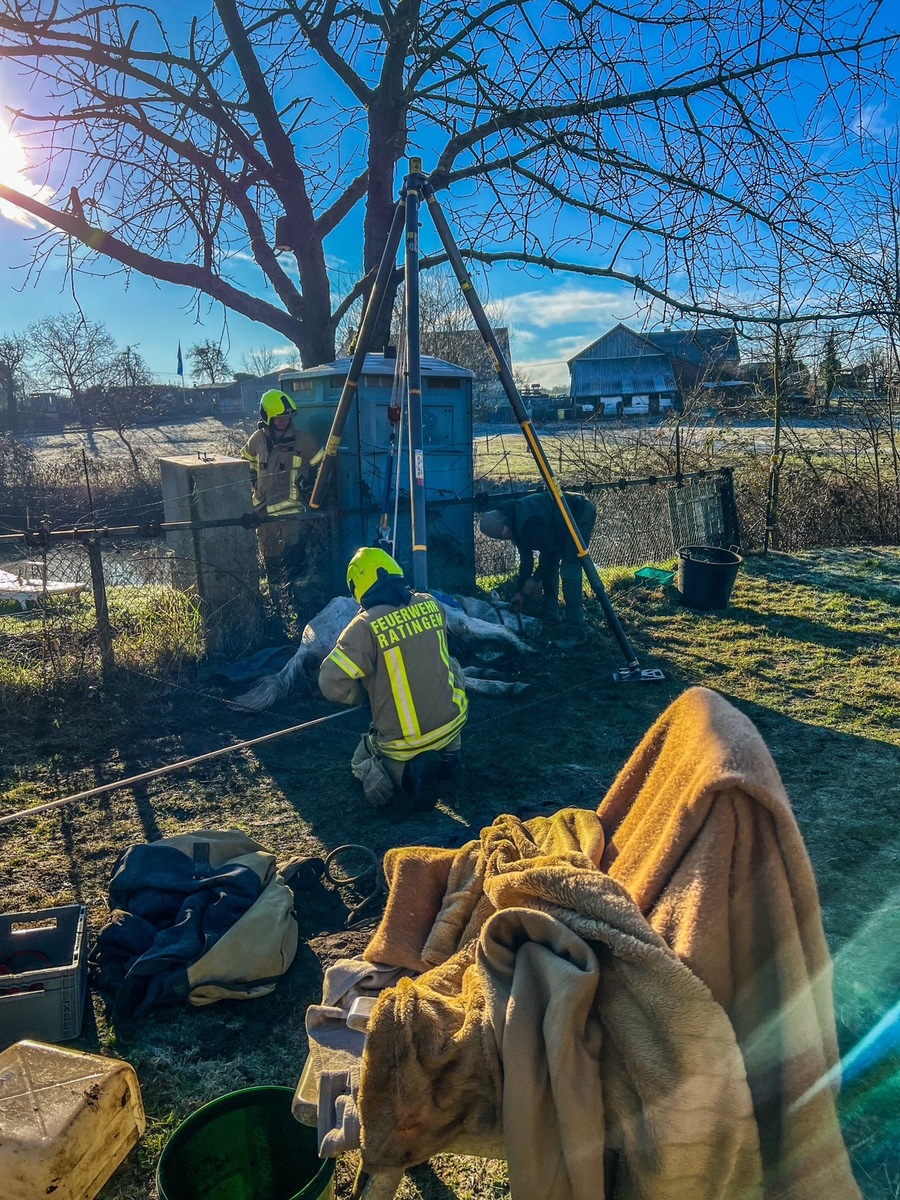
{"x":98,"y":585}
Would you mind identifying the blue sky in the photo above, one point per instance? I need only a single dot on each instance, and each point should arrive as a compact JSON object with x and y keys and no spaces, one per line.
{"x":551,"y":316}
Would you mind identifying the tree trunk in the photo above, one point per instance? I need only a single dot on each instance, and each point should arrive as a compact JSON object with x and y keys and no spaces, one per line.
{"x":387,"y":145}
{"x":315,"y":344}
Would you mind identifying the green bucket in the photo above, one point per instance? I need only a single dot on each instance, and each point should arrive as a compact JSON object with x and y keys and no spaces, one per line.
{"x":245,"y":1146}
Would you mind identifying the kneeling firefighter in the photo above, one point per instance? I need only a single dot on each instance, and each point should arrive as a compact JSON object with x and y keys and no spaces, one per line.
{"x":395,"y":652}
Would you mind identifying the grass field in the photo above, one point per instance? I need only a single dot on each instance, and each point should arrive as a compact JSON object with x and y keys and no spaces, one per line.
{"x":809,"y":649}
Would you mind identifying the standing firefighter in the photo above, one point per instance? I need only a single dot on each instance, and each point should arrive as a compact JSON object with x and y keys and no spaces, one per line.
{"x":395,"y":652}
{"x":283,"y":460}
{"x":537,"y":526}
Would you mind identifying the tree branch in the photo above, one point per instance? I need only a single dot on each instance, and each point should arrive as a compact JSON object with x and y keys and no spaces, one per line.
{"x":184,"y":274}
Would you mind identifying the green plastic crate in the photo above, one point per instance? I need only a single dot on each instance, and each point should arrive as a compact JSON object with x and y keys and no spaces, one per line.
{"x":655,"y":576}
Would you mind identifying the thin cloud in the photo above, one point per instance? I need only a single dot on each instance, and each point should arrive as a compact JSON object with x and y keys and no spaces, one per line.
{"x":551,"y":373}
{"x":875,"y":121}
{"x":549,"y":366}
{"x":575,"y":304}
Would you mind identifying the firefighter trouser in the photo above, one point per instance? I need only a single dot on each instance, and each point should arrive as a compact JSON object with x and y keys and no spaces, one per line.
{"x":277,"y":538}
{"x":379,"y":775}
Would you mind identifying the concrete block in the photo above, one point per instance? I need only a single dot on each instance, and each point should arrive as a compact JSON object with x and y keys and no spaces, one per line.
{"x":221,"y":564}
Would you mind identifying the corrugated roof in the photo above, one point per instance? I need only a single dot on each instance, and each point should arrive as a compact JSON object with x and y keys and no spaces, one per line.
{"x":697,"y":346}
{"x":701,"y":347}
{"x":622,"y":376}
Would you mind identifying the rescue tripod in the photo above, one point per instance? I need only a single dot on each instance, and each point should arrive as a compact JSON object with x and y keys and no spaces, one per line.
{"x":416,"y":187}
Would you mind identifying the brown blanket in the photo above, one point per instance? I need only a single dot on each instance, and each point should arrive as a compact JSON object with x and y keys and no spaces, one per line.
{"x":701,"y":833}
{"x":561,"y":1020}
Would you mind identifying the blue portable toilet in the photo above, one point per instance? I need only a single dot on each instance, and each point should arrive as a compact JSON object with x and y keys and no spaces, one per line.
{"x":356,"y":494}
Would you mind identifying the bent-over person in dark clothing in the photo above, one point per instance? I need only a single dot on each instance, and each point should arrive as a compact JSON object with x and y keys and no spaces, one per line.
{"x":536,"y":526}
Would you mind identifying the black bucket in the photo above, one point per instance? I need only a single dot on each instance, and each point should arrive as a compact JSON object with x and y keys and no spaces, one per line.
{"x":706,"y":575}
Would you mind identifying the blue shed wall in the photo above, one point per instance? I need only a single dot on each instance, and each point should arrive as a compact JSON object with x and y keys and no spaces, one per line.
{"x":357,"y":495}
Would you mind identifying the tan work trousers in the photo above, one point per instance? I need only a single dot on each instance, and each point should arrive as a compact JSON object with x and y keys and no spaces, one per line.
{"x":382,"y":776}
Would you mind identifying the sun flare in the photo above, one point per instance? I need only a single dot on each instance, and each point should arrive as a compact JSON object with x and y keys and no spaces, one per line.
{"x":13,"y":168}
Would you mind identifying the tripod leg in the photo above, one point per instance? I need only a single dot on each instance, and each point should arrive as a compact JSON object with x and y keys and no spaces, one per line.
{"x":537,"y":451}
{"x":414,"y":376}
{"x":363,"y":342}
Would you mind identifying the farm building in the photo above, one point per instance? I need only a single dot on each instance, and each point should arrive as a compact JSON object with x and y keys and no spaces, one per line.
{"x":629,"y":372}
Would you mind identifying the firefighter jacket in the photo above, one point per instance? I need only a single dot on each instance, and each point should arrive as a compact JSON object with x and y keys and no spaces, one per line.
{"x":398,"y":656}
{"x":282,"y":466}
{"x":538,"y":525}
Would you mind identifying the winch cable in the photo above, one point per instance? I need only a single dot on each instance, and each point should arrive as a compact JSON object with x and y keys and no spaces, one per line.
{"x":176,"y":766}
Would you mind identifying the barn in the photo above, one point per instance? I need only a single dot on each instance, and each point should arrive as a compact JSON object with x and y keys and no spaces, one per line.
{"x":628,"y":372}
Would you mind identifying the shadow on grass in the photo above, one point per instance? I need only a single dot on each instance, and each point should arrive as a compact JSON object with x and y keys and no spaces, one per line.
{"x":799,"y":629}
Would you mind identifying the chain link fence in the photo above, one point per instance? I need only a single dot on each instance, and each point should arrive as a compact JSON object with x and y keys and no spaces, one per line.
{"x":638,"y":521}
{"x":69,"y":604}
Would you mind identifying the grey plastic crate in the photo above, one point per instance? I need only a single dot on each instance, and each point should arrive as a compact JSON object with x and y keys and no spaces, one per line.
{"x":43,"y":974}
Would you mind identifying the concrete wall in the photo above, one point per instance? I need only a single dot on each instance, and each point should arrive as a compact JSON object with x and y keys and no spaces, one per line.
{"x":220,"y":564}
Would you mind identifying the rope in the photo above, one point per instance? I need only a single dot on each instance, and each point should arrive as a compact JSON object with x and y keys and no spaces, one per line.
{"x":176,"y":766}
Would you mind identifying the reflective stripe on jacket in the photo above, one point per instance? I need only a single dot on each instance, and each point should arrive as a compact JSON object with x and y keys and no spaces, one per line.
{"x":399,"y":658}
{"x":281,"y":469}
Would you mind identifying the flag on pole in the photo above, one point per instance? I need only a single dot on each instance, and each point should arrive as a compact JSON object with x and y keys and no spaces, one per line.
{"x":179,"y":370}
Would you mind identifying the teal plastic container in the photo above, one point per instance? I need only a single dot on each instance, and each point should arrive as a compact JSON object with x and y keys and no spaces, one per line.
{"x":245,"y":1146}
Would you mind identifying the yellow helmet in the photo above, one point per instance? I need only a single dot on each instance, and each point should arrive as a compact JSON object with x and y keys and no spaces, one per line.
{"x":276,"y":403}
{"x":365,"y":569}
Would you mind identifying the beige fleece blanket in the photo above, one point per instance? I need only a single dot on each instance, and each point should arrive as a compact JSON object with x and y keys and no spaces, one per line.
{"x":561,"y":1020}
{"x":699,"y":830}
{"x":701,"y":833}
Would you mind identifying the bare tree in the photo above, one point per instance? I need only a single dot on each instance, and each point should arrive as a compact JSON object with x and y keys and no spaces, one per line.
{"x":643,"y":146}
{"x":124,"y":397}
{"x":874,"y":262}
{"x":209,"y":363}
{"x":260,"y":361}
{"x":829,"y":368}
{"x":74,"y":355}
{"x":14,"y":351}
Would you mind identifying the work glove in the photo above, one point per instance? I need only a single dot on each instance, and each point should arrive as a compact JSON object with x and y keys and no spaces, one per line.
{"x":378,"y":787}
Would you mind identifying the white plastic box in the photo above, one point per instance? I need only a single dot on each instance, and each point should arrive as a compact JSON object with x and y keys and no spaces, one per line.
{"x":67,"y":1120}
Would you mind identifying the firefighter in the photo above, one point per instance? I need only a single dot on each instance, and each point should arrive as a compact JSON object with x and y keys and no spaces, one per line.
{"x":536,"y":525}
{"x":395,"y":652}
{"x":283,"y":460}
